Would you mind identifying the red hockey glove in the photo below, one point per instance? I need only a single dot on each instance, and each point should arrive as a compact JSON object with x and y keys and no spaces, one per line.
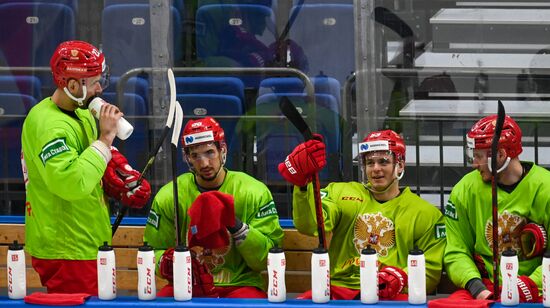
{"x":203,"y":282}
{"x":533,"y":240}
{"x":306,"y":159}
{"x":120,"y":182}
{"x":528,"y":290}
{"x":391,"y":281}
{"x":166,"y":265}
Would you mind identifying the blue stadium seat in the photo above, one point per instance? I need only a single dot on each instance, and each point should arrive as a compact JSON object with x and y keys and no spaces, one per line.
{"x":72,"y":4}
{"x":296,"y":2}
{"x":13,"y":109}
{"x":277,"y":138}
{"x":135,"y":85}
{"x":235,"y":35}
{"x":126,"y":37}
{"x":136,"y":147}
{"x":35,"y":30}
{"x":269,"y":3}
{"x":211,"y":85}
{"x":215,"y":105}
{"x":317,"y":29}
{"x":322,"y":85}
{"x":177,"y":4}
{"x":28,"y":85}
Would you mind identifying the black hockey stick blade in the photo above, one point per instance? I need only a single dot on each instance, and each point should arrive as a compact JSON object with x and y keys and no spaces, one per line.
{"x":291,"y":113}
{"x":496,"y":137}
{"x":494,"y":197}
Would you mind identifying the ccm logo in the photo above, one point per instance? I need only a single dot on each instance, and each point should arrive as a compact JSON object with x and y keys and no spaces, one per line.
{"x":413,"y":263}
{"x":14,"y":258}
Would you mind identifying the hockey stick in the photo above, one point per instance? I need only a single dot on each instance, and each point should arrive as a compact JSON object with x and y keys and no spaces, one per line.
{"x":169,"y":121}
{"x":174,"y":149}
{"x":494,"y":148}
{"x":291,"y":113}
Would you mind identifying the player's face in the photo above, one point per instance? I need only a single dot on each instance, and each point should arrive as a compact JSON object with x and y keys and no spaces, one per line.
{"x":379,"y":168}
{"x":94,"y":86}
{"x":206,"y":160}
{"x":479,"y":161}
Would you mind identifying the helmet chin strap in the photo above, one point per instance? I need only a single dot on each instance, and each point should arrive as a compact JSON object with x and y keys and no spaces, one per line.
{"x":396,"y":177}
{"x":506,"y":163}
{"x":79,"y":101}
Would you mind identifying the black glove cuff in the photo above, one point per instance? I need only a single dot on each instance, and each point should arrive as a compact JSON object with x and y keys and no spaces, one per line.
{"x":238,"y":225}
{"x":475,"y":286}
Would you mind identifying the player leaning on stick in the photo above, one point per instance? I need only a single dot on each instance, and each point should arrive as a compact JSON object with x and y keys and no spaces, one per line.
{"x":523,"y":208}
{"x":229,"y":218}
{"x":64,"y":160}
{"x":377,"y":212}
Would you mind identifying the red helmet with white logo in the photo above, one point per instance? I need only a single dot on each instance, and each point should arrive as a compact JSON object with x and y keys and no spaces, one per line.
{"x":202,"y":131}
{"x":76,"y":59}
{"x":481,"y":134}
{"x":384,"y":140}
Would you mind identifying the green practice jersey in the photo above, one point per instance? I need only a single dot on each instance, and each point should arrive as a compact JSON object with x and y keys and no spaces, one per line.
{"x":234,"y":265}
{"x":66,"y":214}
{"x":356,"y":220}
{"x":469,"y":223}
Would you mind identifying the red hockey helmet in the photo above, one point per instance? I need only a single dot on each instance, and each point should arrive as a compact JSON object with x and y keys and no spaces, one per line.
{"x":481,"y":134}
{"x":385,"y":140}
{"x":76,"y":59}
{"x":202,"y":131}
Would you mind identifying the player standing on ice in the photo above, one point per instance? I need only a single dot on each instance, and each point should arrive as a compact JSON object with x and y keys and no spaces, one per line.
{"x":377,"y":212}
{"x":523,"y":207}
{"x":64,"y":160}
{"x":229,"y":217}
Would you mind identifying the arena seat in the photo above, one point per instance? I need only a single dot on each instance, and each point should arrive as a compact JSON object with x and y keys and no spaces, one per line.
{"x":72,"y":4}
{"x":277,"y":138}
{"x":28,"y":85}
{"x":216,"y":105}
{"x":268,"y":3}
{"x":126,"y":37}
{"x":35,"y":30}
{"x":235,"y":35}
{"x":177,"y":4}
{"x":211,"y":85}
{"x":13,"y":109}
{"x":136,"y":147}
{"x":136,"y":85}
{"x":317,"y":29}
{"x":321,"y":84}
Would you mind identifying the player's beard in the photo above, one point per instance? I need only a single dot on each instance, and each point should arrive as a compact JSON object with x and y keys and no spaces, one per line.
{"x":213,"y":177}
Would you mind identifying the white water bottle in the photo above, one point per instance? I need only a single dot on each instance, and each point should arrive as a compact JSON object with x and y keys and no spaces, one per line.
{"x":17,"y":276}
{"x":546,"y":279}
{"x":106,"y":272}
{"x":147,"y":289}
{"x":125,"y":129}
{"x":320,"y":276}
{"x":416,"y":264}
{"x":509,"y":273}
{"x":369,"y":276}
{"x":276,"y":268}
{"x":183,"y":275}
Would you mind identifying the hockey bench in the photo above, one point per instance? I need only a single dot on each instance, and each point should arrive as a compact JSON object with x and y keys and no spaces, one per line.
{"x":128,"y":238}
